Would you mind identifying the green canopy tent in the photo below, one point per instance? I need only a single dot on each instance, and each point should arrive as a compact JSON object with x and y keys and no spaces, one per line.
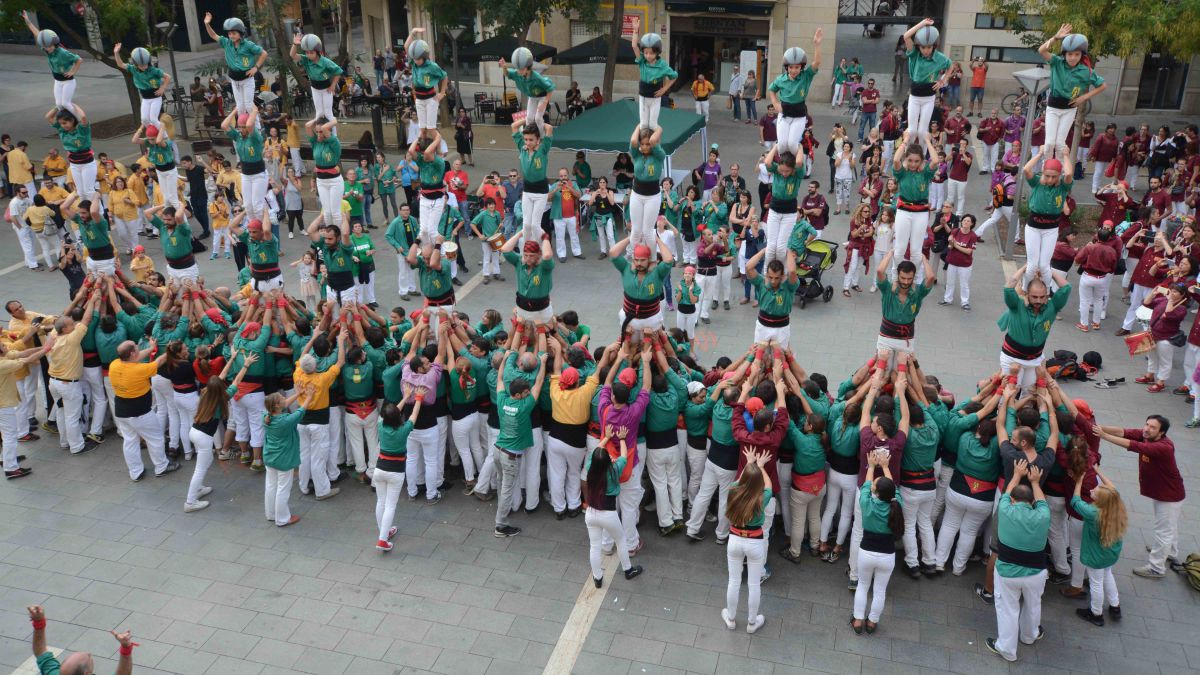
{"x":607,"y":128}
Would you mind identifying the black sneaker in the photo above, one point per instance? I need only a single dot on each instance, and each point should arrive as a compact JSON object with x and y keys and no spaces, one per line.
{"x":19,"y":472}
{"x":1086,"y":614}
{"x":599,"y":582}
{"x":574,"y":513}
{"x":456,"y":282}
{"x":1114,"y":613}
{"x":1059,"y":579}
{"x":984,"y":595}
{"x":914,"y":572}
{"x":139,"y":477}
{"x":506,"y":531}
{"x":534,"y":509}
{"x":633,"y":572}
{"x":88,"y":446}
{"x":693,"y":538}
{"x":171,"y":468}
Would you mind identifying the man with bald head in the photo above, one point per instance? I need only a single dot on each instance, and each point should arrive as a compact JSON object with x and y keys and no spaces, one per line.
{"x":1027,"y":324}
{"x":642,"y":281}
{"x":79,"y":663}
{"x":130,"y":377}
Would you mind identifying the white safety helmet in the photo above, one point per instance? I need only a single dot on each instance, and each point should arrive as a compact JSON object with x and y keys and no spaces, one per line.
{"x":418,"y":49}
{"x":927,"y":36}
{"x":652,"y":41}
{"x":234,"y":24}
{"x":1075,"y":42}
{"x":794,"y":56}
{"x":140,"y":57}
{"x":47,"y":39}
{"x":310,"y":43}
{"x":522,"y":58}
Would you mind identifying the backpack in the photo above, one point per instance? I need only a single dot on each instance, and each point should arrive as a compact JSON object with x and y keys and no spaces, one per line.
{"x":1065,"y":366}
{"x":998,"y":193}
{"x":1190,"y":568}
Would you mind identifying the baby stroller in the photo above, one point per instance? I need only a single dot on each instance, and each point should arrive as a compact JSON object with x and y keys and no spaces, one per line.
{"x":819,"y":256}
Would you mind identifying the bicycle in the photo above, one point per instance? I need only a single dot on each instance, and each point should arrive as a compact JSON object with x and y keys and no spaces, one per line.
{"x":1020,"y":100}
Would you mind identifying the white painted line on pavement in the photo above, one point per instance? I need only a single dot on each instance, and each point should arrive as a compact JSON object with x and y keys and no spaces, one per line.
{"x":579,"y":624}
{"x":13,"y":267}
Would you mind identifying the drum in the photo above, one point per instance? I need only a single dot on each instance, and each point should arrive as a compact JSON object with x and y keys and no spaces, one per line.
{"x":1144,"y":313}
{"x":450,"y":250}
{"x":496,"y":241}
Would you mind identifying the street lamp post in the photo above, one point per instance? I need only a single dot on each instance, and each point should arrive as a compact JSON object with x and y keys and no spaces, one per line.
{"x":1035,"y":81}
{"x":168,"y":29}
{"x":455,"y":33}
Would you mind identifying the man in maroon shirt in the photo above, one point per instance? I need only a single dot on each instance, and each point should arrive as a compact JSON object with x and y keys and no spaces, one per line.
{"x":1158,"y":198}
{"x":1103,"y":151}
{"x":1141,"y":242}
{"x":766,"y":127}
{"x":814,"y":207}
{"x":889,"y":128}
{"x":1098,"y":260}
{"x":869,"y":102}
{"x":960,"y":171}
{"x":991,"y":132}
{"x":957,"y":128}
{"x":1160,"y":482}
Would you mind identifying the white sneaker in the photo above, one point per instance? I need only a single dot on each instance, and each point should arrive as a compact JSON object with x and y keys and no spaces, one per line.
{"x":191,"y":508}
{"x":758,"y":623}
{"x":205,"y":491}
{"x":730,"y":623}
{"x":291,"y":235}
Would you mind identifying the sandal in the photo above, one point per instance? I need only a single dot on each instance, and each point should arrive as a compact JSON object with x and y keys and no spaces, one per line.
{"x":846,"y":292}
{"x":833,"y":555}
{"x":257,"y":466}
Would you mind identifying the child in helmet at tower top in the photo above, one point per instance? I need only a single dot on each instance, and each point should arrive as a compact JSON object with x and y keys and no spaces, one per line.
{"x":926,"y":70}
{"x":150,"y":81}
{"x":534,"y":85}
{"x":789,"y":91}
{"x":1072,"y":82}
{"x":63,"y":64}
{"x":655,"y":76}
{"x":429,"y":82}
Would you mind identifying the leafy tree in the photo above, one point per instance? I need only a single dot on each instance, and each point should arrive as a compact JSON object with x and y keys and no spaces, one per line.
{"x":1113,"y":27}
{"x":514,"y":17}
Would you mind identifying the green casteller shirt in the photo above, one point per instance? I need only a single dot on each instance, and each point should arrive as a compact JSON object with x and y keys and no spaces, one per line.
{"x":774,"y":301}
{"x":977,"y":460}
{"x":656,"y":73}
{"x":392,"y":391}
{"x":241,"y":56}
{"x":533,"y":164}
{"x":696,"y":416}
{"x":662,"y":412}
{"x":94,"y":233}
{"x":914,"y":185}
{"x":363,"y":248}
{"x":582,"y":171}
{"x":716,"y":215}
{"x":321,"y":70}
{"x":843,"y":437}
{"x":648,"y":168}
{"x":451,"y":217}
{"x":61,"y":60}
{"x":327,"y":154}
{"x":340,"y":258}
{"x":1024,"y":527}
{"x":352,"y":192}
{"x":534,"y":283}
{"x":875,"y":511}
{"x":802,"y":232}
{"x":488,"y":222}
{"x":722,"y":423}
{"x":784,"y":188}
{"x":533,"y":85}
{"x":402,"y":233}
{"x":160,"y":155}
{"x":612,"y":487}
{"x":463,"y":390}
{"x":760,"y":514}
{"x":1068,"y":82}
{"x":1047,"y":200}
{"x":923,"y":70}
{"x":920,"y":447}
{"x":516,"y":425}
{"x":793,"y":90}
{"x":434,"y":283}
{"x":1094,"y":554}
{"x":249,"y":147}
{"x":394,"y":440}
{"x":177,"y":242}
{"x":808,"y":456}
{"x":265,"y":252}
{"x":281,"y":449}
{"x":383,"y":181}
{"x":75,"y":140}
{"x":149,"y":79}
{"x":647,"y":288}
{"x":430,"y":172}
{"x":894,"y":309}
{"x":358,"y":381}
{"x":1023,"y":326}
{"x":426,"y":76}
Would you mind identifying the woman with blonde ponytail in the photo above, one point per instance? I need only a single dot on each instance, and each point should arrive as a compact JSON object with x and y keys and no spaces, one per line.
{"x":1104,"y":525}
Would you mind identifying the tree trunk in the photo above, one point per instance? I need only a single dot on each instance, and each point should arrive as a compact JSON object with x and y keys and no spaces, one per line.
{"x":317,"y":27}
{"x":344,"y":37}
{"x":283,"y":45}
{"x":614,"y":38}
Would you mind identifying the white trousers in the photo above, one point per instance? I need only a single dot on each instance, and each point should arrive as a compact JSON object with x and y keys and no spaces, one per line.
{"x":629,"y":502}
{"x":663,"y":465}
{"x":423,"y":462}
{"x":1166,"y":534}
{"x":752,"y":552}
{"x":362,"y":440}
{"x":782,"y":335}
{"x":944,"y":474}
{"x":322,"y":103}
{"x":563,"y":464}
{"x":708,"y":293}
{"x":70,"y":431}
{"x":168,"y":183}
{"x":427,"y":112}
{"x":297,"y":163}
{"x":203,"y":444}
{"x":491,"y":260}
{"x":8,"y":431}
{"x":920,"y":112}
{"x":604,"y":233}
{"x":909,"y":235}
{"x":28,"y":388}
{"x":1136,"y":297}
{"x":243,"y":94}
{"x":1014,"y":617}
{"x":64,"y":91}
{"x":1058,"y":534}
{"x":687,"y":322}
{"x":856,"y":535}
{"x":276,"y":493}
{"x":1093,"y":297}
{"x":406,"y":280}
{"x":388,"y":486}
{"x":1159,"y":360}
{"x":696,"y":457}
{"x":164,"y":407}
{"x":133,"y":431}
{"x":1039,"y":248}
{"x":254,"y":192}
{"x":1058,"y":126}
{"x":329,"y":194}
{"x":789,"y":131}
{"x":1098,"y":177}
{"x":314,"y":458}
{"x":779,"y":231}
{"x":841,"y":489}
{"x":917,"y":506}
{"x":962,"y":277}
{"x":1027,"y":374}
{"x":991,"y":154}
{"x":648,"y":111}
{"x":565,"y":228}
{"x":532,"y":103}
{"x":25,"y":239}
{"x":937,"y":195}
{"x":999,"y":212}
{"x":956,"y":194}
{"x":465,"y":432}
{"x":430,"y":215}
{"x":247,"y":413}
{"x":533,"y":205}
{"x":874,"y":571}
{"x":714,"y":480}
{"x":702,"y":110}
{"x":185,"y":410}
{"x":603,"y":525}
{"x":84,"y":176}
{"x":963,"y":517}
{"x":124,"y":232}
{"x":643,"y":213}
{"x":806,"y":513}
{"x":1103,"y":589}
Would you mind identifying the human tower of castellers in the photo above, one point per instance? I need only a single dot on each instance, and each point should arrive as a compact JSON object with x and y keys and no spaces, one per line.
{"x":315,"y":387}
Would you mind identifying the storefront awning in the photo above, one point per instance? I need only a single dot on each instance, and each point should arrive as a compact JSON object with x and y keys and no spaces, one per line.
{"x":703,"y":7}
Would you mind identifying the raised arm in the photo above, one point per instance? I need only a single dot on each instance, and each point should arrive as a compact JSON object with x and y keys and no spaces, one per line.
{"x":1044,"y":49}
{"x":818,"y":37}
{"x":908,"y":34}
{"x":208,"y":27}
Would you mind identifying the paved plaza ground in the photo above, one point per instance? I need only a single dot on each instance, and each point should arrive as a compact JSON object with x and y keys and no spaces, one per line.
{"x":222,"y":592}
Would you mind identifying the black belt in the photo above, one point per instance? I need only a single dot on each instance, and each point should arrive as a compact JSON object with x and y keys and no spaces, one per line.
{"x":609,"y":504}
{"x":181,"y":263}
{"x":640,"y":309}
{"x":706,"y":270}
{"x":328,"y":172}
{"x":169,"y":166}
{"x":1015,"y":556}
{"x":320,"y":84}
{"x":646,"y":188}
{"x":341,"y":280}
{"x":918,"y":480}
{"x":532,"y":304}
{"x":100,"y":252}
{"x":648,"y":89}
{"x":922,"y":89}
{"x":424,"y":94}
{"x":1059,"y":102}
{"x":897,"y":331}
{"x":237,"y":75}
{"x":253,"y":168}
{"x":783,"y":206}
{"x":574,"y":435}
{"x":878,"y":542}
{"x":62,"y":77}
{"x":60,"y":379}
{"x":263,"y":273}
{"x":1044,"y":221}
{"x":80,"y":156}
{"x":701,"y":100}
{"x":149,"y":94}
{"x":773,"y":321}
{"x":657,"y":440}
{"x":794,"y":109}
{"x":537,"y":187}
{"x":1019,"y":351}
{"x":446,"y":298}
{"x":746,"y":533}
{"x":132,"y":407}
{"x":683,"y":308}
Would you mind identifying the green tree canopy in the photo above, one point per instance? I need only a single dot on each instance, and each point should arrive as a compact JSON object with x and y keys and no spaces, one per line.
{"x":1113,"y":27}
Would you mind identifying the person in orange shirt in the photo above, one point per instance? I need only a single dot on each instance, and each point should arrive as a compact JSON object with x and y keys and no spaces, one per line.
{"x":130,"y":379}
{"x":55,"y":167}
{"x":701,"y":90}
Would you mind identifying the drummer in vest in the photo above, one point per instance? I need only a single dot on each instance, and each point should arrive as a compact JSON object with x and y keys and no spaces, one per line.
{"x":176,"y":238}
{"x":776,"y":295}
{"x":160,"y":150}
{"x":1027,"y":323}
{"x":535,"y":269}
{"x":263,"y":250}
{"x":1024,"y":525}
{"x":643,"y":285}
{"x":75,"y":133}
{"x":93,"y":230}
{"x":901,"y":304}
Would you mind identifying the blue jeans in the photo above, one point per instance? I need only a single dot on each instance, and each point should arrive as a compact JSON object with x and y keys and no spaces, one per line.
{"x":865,"y":123}
{"x":751,"y":109}
{"x":368,"y":200}
{"x":737,"y":107}
{"x":509,"y":225}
